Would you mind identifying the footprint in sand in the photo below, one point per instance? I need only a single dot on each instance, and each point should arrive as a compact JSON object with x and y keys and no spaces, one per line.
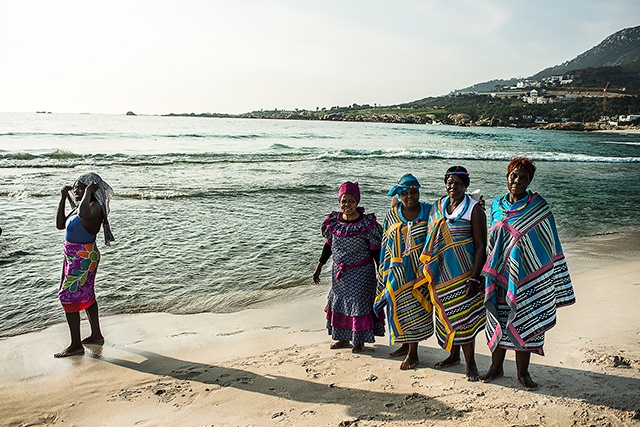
{"x":280,"y":392}
{"x":610,"y":360}
{"x":183,"y":334}
{"x":269,"y":328}
{"x":187,"y":373}
{"x":226,"y":334}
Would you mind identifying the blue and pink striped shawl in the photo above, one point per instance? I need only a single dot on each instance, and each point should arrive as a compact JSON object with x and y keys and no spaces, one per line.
{"x":525,"y":258}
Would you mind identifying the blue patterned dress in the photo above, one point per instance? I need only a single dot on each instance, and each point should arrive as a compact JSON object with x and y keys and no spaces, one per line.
{"x":349,"y":307}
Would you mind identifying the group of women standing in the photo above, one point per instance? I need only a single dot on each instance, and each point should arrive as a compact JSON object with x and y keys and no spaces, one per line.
{"x":428,"y":269}
{"x":436,"y":272}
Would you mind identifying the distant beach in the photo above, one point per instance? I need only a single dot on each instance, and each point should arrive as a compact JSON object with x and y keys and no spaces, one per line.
{"x":626,"y":130}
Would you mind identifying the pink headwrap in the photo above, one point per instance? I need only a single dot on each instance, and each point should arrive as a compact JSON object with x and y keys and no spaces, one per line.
{"x":349,"y":188}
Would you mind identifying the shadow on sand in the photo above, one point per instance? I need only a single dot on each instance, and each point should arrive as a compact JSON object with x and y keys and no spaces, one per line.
{"x":615,"y":391}
{"x":393,"y":406}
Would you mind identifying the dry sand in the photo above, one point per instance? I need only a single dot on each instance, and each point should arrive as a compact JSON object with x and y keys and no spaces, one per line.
{"x":273,"y":366}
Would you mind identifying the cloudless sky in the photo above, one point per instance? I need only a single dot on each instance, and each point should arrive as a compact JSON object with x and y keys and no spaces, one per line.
{"x":234,"y":56}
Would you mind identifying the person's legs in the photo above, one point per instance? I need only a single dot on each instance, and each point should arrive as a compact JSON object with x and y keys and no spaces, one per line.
{"x":339,"y":344}
{"x":496,"y":369}
{"x":453,"y":359}
{"x":76,"y":348}
{"x":96,"y":335}
{"x":402,"y":351}
{"x":411,"y":361}
{"x":469,"y":350}
{"x":522,"y":367}
{"x":357,"y":348}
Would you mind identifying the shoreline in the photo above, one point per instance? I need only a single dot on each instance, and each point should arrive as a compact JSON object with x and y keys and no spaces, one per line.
{"x":308,"y":291}
{"x":273,"y":366}
{"x":412,"y":118}
{"x":636,"y":130}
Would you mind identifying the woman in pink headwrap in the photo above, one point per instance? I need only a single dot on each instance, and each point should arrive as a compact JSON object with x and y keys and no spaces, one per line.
{"x":89,"y":198}
{"x":352,"y":239}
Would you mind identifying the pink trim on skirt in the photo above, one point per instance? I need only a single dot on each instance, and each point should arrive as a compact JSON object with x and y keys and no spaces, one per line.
{"x":353,"y":323}
{"x":74,"y":307}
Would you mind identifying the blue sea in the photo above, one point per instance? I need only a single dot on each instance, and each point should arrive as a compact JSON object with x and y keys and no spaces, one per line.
{"x":220,"y":215}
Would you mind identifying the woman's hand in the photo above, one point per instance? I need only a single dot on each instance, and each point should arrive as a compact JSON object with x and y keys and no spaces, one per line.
{"x":65,"y":191}
{"x":481,"y":203}
{"x":92,"y":188}
{"x":473,"y":287}
{"x":316,"y":274}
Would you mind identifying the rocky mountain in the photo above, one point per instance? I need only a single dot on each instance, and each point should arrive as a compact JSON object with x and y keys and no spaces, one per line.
{"x":619,"y":49}
{"x":488,"y":86}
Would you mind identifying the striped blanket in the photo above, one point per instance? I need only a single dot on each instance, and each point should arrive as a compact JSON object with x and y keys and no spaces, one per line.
{"x":400,"y":279}
{"x":448,"y":259}
{"x":527,"y":275}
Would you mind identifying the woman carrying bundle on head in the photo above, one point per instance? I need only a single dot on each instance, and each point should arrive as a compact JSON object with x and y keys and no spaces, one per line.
{"x":89,"y":198}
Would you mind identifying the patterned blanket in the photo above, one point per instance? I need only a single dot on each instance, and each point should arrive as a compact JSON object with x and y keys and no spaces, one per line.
{"x":526,"y":273}
{"x":448,"y":257}
{"x":400,"y":279}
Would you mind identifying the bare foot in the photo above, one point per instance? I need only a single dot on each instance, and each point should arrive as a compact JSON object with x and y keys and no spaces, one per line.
{"x":492,"y":374}
{"x":409,"y":362}
{"x":472,"y":373}
{"x":527,"y":382}
{"x":402,"y":351}
{"x":358,"y":348}
{"x":339,"y":344}
{"x":99,"y":340}
{"x":70,"y":351}
{"x":449,"y":361}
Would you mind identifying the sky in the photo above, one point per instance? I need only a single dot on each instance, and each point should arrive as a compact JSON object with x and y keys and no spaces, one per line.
{"x":235,"y":56}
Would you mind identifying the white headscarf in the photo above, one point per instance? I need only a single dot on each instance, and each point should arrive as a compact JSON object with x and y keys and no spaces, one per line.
{"x":103,"y":194}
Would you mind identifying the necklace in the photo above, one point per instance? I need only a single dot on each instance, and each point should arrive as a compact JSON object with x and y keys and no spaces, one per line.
{"x":506,"y":213}
{"x":445,"y":203}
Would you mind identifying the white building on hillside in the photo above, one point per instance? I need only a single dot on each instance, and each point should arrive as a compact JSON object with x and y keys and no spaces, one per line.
{"x":629,"y":118}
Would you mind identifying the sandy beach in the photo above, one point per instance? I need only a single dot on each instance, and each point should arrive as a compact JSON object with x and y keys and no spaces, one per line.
{"x":621,"y":130}
{"x":273,"y":366}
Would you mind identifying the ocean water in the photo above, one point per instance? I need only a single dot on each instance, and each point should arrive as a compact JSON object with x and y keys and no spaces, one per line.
{"x":218,"y":215}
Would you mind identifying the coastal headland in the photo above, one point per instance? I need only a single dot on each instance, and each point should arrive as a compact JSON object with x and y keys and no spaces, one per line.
{"x":576,"y":110}
{"x":399,"y":117}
